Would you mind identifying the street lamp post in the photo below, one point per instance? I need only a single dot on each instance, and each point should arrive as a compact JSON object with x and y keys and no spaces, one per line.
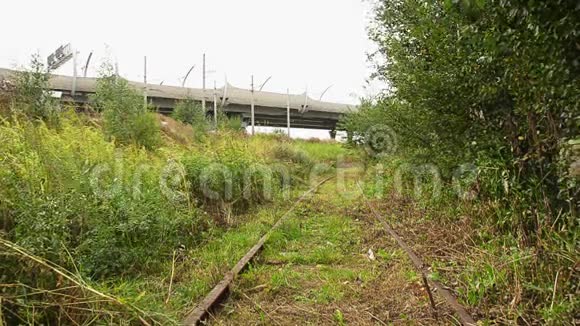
{"x":203,"y":96}
{"x":187,"y":75}
{"x":74,"y":82}
{"x":214,"y":104}
{"x":324,"y":92}
{"x":145,"y":81}
{"x":264,"y":83}
{"x":87,"y":64}
{"x":252,"y":104}
{"x":288,"y":110}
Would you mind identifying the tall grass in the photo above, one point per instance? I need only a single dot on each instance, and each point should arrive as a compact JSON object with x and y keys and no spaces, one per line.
{"x":327,"y":151}
{"x":494,"y":272}
{"x":70,"y":188}
{"x":114,"y":203}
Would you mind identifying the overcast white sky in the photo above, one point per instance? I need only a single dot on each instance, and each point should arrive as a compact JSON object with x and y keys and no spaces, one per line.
{"x":300,"y":43}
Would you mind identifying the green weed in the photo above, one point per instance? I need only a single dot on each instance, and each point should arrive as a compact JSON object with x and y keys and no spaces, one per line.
{"x":126,"y":118}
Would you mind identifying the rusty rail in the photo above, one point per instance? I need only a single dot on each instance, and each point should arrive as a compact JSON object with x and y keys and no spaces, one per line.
{"x":221,"y":290}
{"x":464,"y":316}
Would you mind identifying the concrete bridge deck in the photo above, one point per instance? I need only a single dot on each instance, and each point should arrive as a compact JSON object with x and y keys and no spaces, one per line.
{"x":270,"y":108}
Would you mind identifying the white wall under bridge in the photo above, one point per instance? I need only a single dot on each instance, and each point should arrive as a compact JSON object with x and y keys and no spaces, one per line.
{"x":300,"y":133}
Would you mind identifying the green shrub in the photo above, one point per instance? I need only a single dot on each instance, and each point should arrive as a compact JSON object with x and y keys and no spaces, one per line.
{"x":70,"y":190}
{"x":126,"y":118}
{"x":460,"y":74}
{"x":287,"y":153}
{"x":32,"y":96}
{"x":229,"y":123}
{"x":190,"y":112}
{"x":492,"y":84}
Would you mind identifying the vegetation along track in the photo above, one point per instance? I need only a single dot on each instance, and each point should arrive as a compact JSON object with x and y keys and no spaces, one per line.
{"x":323,"y":264}
{"x":220,"y":290}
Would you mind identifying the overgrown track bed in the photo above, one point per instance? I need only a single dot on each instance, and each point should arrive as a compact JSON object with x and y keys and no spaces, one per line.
{"x":327,"y":264}
{"x":463,"y":315}
{"x":219,"y":292}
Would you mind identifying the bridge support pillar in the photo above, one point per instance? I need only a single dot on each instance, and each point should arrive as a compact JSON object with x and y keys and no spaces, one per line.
{"x":332,"y":133}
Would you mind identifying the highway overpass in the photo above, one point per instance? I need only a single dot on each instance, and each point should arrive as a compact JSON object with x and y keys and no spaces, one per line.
{"x":270,"y":108}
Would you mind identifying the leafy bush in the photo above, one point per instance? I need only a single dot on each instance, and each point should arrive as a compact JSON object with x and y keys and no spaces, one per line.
{"x":494,"y":84}
{"x":229,"y":123}
{"x":480,"y":81}
{"x":126,"y":119}
{"x":32,"y":96}
{"x":287,"y":153}
{"x":297,"y":160}
{"x":190,"y":112}
{"x":71,"y":190}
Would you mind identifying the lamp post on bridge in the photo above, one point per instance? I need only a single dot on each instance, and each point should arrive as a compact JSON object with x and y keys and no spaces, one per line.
{"x":186,"y":75}
{"x":145,"y":81}
{"x":288,"y":110}
{"x":203,"y":82}
{"x":252,"y":104}
{"x":332,"y":131}
{"x":204,"y":77}
{"x":264,"y":83}
{"x":215,"y":104}
{"x":87,"y":64}
{"x":324,"y":92}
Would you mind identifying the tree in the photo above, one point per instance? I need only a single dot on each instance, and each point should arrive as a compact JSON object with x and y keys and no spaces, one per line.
{"x":32,"y":96}
{"x":486,"y":81}
{"x":126,"y":119}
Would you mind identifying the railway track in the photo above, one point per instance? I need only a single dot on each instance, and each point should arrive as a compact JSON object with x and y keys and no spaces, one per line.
{"x":463,"y":315}
{"x":220,"y":291}
{"x":212,"y":301}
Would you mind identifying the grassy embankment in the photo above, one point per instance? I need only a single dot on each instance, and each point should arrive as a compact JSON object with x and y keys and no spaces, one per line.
{"x":119,"y":216}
